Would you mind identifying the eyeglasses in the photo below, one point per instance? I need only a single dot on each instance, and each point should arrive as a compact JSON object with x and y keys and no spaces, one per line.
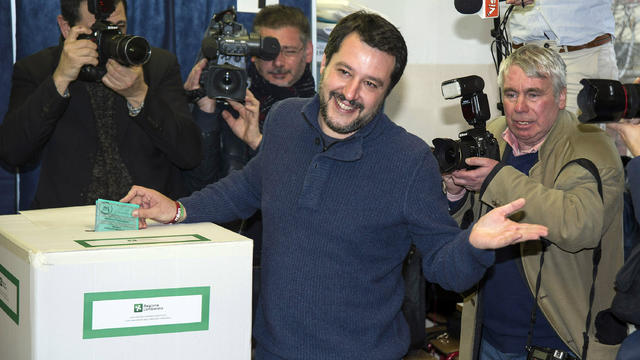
{"x":290,"y":51}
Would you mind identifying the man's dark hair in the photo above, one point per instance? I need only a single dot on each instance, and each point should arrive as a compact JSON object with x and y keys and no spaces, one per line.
{"x":374,"y":31}
{"x":70,"y":9}
{"x":279,"y":16}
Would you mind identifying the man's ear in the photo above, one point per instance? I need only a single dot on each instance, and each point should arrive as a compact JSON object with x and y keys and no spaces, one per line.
{"x":64,"y":26}
{"x":562,"y":98}
{"x":308,"y":52}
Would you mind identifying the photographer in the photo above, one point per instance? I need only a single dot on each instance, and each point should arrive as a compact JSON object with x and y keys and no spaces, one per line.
{"x":231,"y":141}
{"x":96,"y":138}
{"x":541,"y":145}
{"x":629,"y":131}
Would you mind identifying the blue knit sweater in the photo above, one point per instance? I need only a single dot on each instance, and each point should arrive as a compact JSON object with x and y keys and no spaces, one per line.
{"x":338,"y":222}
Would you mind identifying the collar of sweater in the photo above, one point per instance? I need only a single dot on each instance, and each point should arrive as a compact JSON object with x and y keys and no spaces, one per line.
{"x":351,"y":148}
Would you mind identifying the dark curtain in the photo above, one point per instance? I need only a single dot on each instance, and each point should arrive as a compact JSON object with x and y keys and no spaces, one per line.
{"x":176,"y":25}
{"x":7,"y":174}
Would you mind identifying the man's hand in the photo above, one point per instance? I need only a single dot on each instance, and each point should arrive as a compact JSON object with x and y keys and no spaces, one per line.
{"x":205,"y":104}
{"x":450,"y":185}
{"x":629,"y":131}
{"x":153,"y":205}
{"x":126,"y":81}
{"x":494,"y":230}
{"x":246,"y":126}
{"x":472,"y":179}
{"x":75,"y":54}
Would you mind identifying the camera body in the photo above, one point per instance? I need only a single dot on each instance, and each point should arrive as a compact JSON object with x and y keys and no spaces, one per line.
{"x":542,"y":353}
{"x":128,"y":50}
{"x":602,"y":101}
{"x":227,"y":46}
{"x":476,"y":142}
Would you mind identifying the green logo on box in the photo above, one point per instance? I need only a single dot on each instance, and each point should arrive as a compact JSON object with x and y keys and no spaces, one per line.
{"x":137,"y":307}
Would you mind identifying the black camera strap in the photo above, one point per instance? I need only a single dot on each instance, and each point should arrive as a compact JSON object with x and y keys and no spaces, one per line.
{"x":597,"y":251}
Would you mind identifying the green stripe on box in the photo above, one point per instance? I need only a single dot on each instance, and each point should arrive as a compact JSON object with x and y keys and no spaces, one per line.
{"x":15,"y":316}
{"x":90,"y":298}
{"x":134,"y":240}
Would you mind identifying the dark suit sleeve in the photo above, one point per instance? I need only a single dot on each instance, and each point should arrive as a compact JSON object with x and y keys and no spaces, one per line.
{"x":34,"y":109}
{"x":166,"y":117}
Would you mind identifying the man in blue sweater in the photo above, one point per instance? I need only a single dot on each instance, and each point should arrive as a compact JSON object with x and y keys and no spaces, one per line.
{"x":344,"y":192}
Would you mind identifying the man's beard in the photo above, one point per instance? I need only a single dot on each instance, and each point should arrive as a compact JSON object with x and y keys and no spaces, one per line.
{"x":357,"y":124}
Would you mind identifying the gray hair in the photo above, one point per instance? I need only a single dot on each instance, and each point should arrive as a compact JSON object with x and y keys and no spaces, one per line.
{"x":539,"y":62}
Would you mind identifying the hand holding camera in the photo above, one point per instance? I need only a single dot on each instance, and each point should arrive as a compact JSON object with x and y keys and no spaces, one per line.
{"x":128,"y":50}
{"x":476,"y":142}
{"x":192,"y":86}
{"x":76,"y":53}
{"x":227,"y":46}
{"x":127,"y":81}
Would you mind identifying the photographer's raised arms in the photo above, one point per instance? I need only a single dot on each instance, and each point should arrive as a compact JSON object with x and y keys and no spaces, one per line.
{"x":130,"y":124}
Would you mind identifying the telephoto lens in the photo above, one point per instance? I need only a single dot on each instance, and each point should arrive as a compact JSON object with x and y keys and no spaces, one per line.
{"x":602,"y":101}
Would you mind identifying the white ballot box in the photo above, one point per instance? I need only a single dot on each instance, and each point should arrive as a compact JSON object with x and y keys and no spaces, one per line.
{"x":166,"y":292}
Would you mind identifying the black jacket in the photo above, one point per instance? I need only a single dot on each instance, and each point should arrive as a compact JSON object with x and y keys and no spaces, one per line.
{"x":41,"y":125}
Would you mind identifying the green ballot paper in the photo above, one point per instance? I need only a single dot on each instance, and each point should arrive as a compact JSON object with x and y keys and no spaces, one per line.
{"x":113,"y":215}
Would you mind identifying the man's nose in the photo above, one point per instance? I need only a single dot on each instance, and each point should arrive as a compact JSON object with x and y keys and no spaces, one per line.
{"x":279,"y":60}
{"x":521,"y":104}
{"x":351,"y":89}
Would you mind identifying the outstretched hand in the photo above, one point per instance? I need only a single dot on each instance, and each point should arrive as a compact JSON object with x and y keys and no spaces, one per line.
{"x":153,"y":205}
{"x":494,"y":230}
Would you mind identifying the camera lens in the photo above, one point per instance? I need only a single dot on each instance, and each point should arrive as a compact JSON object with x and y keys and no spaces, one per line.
{"x":447,"y":153}
{"x":607,"y":101}
{"x":136,"y":50}
{"x":225,"y":81}
{"x":127,"y":49}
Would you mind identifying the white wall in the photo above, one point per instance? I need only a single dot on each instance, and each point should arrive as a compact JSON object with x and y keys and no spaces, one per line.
{"x":443,"y":44}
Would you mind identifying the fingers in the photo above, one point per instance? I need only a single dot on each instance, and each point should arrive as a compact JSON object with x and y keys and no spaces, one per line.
{"x":121,"y":77}
{"x":193,"y":80}
{"x":451,"y":186}
{"x":75,"y":54}
{"x":237,"y":106}
{"x":133,"y":192}
{"x":77,"y":30}
{"x":521,"y":232}
{"x":511,"y":207}
{"x":127,"y":81}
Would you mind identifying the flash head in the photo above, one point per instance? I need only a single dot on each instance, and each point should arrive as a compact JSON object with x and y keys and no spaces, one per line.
{"x":463,"y":86}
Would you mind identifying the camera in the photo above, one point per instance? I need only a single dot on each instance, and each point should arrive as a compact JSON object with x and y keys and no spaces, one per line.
{"x":476,"y":142}
{"x":602,"y":101}
{"x":128,"y":50}
{"x":542,"y":353}
{"x":227,"y":45}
